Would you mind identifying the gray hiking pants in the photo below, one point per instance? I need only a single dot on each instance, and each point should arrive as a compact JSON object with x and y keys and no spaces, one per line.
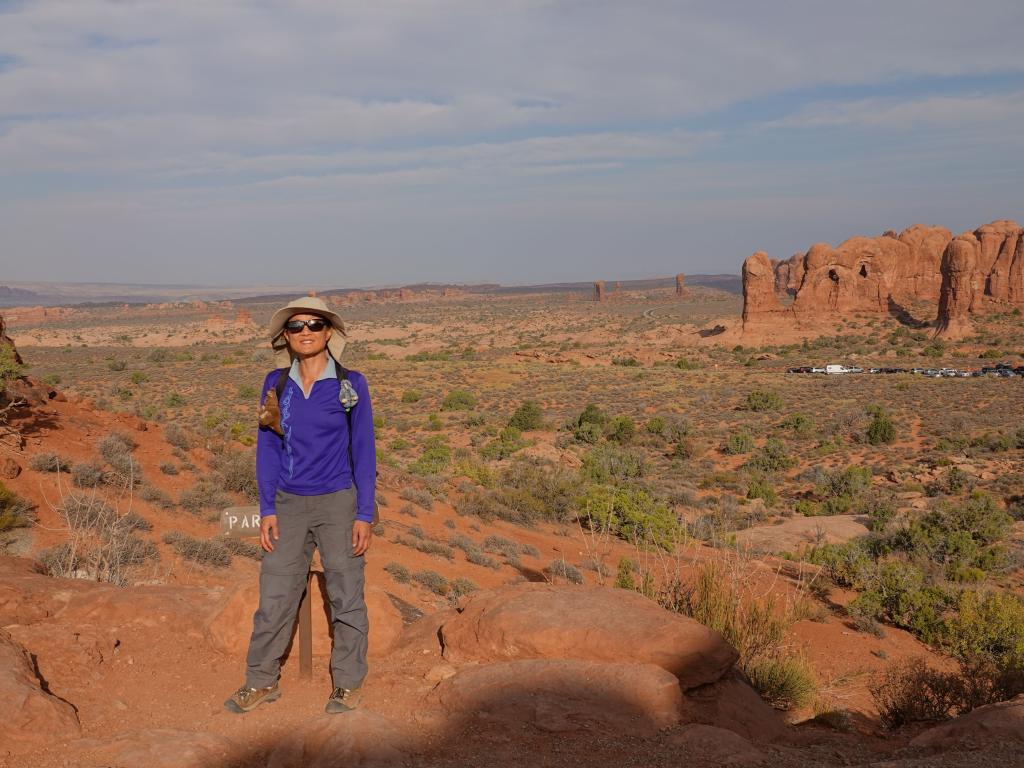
{"x":305,"y":522}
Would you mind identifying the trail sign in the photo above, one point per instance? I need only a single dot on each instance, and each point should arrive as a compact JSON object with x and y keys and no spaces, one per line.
{"x":240,"y":522}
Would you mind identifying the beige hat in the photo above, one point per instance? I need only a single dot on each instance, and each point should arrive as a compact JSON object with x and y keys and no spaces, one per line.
{"x":307,"y":305}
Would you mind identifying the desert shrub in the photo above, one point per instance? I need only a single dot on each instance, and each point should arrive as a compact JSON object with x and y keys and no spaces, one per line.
{"x":435,"y":458}
{"x":474,"y":553}
{"x":760,"y":400}
{"x":462,"y":586}
{"x":562,"y":569}
{"x":589,"y":425}
{"x":527,"y":416}
{"x":236,"y":471}
{"x":202,"y":551}
{"x":630,"y":513}
{"x":772,"y":457}
{"x":527,"y":492}
{"x":427,"y":546}
{"x":242,"y":548}
{"x":785,"y":682}
{"x":433,"y":581}
{"x":10,"y":368}
{"x":841,"y":489}
{"x":624,"y":574}
{"x":508,"y":441}
{"x":15,"y":512}
{"x":411,"y":396}
{"x":204,"y":495}
{"x":655,"y":425}
{"x":740,"y":441}
{"x":754,"y":627}
{"x":417,"y":496}
{"x":176,"y":437}
{"x":799,"y":424}
{"x":620,"y":429}
{"x":759,"y":487}
{"x":910,"y":691}
{"x":612,"y":464}
{"x":117,"y":365}
{"x":501,"y":546}
{"x":684,"y":364}
{"x":86,"y":512}
{"x":398,"y":572}
{"x":115,"y":445}
{"x":87,"y":475}
{"x":881,"y":430}
{"x":49,"y":462}
{"x":157,"y":496}
{"x":169,"y":468}
{"x":459,"y":400}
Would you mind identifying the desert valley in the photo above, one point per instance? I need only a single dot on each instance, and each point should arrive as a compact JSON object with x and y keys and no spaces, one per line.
{"x":614,"y":530}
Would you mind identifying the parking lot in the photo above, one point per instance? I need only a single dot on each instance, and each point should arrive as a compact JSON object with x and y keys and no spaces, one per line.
{"x":1002,"y":370}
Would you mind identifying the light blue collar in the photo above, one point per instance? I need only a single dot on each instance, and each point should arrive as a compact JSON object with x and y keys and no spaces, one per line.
{"x":329,"y":372}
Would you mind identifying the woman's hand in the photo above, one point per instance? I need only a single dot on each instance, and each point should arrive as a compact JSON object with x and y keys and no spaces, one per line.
{"x":268,"y":532}
{"x":362,"y":532}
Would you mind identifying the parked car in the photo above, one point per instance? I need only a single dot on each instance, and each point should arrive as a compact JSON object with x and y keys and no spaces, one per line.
{"x":817,"y":370}
{"x":834,"y":368}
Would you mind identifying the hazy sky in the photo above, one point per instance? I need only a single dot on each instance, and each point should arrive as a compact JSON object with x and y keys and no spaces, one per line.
{"x":362,"y":143}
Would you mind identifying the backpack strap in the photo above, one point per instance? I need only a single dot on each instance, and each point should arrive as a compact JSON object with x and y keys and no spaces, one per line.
{"x":282,"y":379}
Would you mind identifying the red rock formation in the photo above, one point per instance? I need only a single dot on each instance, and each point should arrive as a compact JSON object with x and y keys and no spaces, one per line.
{"x":891,"y":274}
{"x":759,"y":300}
{"x":599,"y":292}
{"x":243,"y":317}
{"x":959,"y":294}
{"x":680,"y":284}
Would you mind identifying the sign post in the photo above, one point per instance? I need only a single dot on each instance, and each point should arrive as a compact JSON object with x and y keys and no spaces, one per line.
{"x":244,"y":522}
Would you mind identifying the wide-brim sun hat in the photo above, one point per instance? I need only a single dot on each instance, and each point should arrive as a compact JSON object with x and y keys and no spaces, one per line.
{"x":306,"y":305}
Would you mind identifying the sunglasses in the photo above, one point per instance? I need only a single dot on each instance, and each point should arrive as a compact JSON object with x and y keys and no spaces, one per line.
{"x":315,"y":325}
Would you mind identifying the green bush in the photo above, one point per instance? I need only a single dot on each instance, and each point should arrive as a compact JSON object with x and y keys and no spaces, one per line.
{"x":881,"y":430}
{"x":527,"y":492}
{"x":630,"y":513}
{"x":625,"y":574}
{"x":738,"y":442}
{"x":508,"y":441}
{"x":785,"y":682}
{"x":10,"y":368}
{"x":655,"y":425}
{"x":620,"y":429}
{"x":459,"y":400}
{"x":527,"y":416}
{"x":411,"y":396}
{"x":799,"y":424}
{"x":760,"y":400}
{"x":762,"y":488}
{"x":434,"y":460}
{"x":772,"y":457}
{"x":15,"y":512}
{"x":611,"y":464}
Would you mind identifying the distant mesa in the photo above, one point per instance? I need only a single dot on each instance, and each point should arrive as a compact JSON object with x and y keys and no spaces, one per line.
{"x":890,"y":274}
{"x":600,"y":294}
{"x":680,"y":285}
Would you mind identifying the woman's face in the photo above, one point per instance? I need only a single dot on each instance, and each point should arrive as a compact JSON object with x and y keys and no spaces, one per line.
{"x":307,"y":343}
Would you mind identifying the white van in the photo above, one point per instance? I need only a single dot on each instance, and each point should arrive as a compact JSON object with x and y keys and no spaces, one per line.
{"x":836,"y":369}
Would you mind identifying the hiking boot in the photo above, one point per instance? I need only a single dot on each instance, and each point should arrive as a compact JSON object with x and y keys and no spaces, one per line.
{"x":247,"y":699}
{"x":342,"y":700}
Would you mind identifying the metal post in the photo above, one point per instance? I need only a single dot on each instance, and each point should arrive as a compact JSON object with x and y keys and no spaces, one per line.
{"x":306,"y":633}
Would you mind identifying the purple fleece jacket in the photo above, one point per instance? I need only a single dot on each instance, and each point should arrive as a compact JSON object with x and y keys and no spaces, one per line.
{"x":313,"y":456}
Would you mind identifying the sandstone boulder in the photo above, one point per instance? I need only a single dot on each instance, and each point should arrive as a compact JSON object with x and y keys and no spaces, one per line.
{"x":7,"y":341}
{"x":31,"y":715}
{"x":1002,"y":722}
{"x":359,"y":739}
{"x":542,"y":621}
{"x":732,"y":704}
{"x":564,"y":695}
{"x":229,"y":627}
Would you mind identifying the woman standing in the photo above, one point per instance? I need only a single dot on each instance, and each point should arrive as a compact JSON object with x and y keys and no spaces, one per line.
{"x":316,"y":470}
